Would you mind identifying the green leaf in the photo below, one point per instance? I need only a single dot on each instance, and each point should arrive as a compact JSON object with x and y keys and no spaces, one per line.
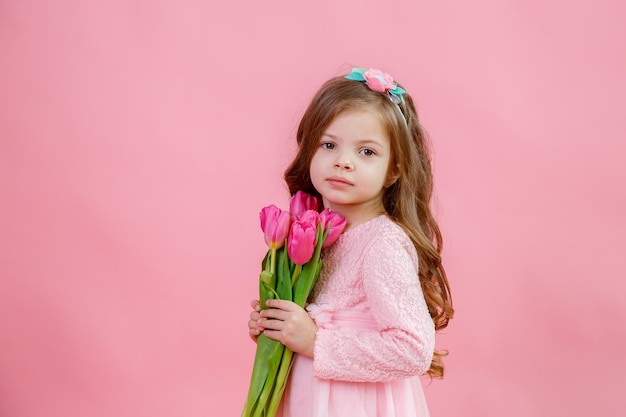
{"x":271,"y":362}
{"x":281,"y":381}
{"x":355,"y":76}
{"x":266,"y":277}
{"x":292,"y":266}
{"x":266,"y":348}
{"x":265,"y":265}
{"x":283,"y":276}
{"x":265,"y":293}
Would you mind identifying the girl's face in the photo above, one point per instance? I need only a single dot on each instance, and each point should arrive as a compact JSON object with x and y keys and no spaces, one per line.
{"x":349,"y":169}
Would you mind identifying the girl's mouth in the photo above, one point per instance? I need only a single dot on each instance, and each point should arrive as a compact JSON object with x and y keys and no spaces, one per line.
{"x":339,"y":181}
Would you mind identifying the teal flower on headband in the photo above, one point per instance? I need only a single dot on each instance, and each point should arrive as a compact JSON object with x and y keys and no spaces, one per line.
{"x":378,"y":81}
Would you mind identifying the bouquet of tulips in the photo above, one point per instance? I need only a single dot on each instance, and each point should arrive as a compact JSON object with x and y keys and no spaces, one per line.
{"x":290,"y":270}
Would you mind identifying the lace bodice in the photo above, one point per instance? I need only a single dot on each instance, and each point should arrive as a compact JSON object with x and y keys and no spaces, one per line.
{"x":372,"y":271}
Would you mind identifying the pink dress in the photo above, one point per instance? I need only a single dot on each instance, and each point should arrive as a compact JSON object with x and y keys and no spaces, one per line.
{"x":375,"y":335}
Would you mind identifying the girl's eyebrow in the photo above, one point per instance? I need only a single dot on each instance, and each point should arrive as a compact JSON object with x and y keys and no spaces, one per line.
{"x":370,"y":142}
{"x":366,"y":141}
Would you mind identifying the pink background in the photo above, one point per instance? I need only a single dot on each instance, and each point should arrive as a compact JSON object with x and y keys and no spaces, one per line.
{"x":139,"y":140}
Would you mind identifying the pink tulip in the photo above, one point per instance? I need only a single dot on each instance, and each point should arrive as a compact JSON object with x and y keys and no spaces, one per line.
{"x":301,"y":242}
{"x":335,"y":225}
{"x":301,"y":202}
{"x":275,"y":225}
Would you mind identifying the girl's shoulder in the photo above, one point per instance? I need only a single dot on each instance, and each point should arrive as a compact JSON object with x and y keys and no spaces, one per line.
{"x":382,"y":227}
{"x":391,"y":234}
{"x":380,"y":230}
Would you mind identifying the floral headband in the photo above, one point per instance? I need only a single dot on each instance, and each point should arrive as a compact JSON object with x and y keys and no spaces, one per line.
{"x":378,"y":81}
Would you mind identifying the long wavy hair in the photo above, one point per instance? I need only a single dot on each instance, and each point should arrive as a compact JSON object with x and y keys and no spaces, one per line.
{"x":406,"y":201}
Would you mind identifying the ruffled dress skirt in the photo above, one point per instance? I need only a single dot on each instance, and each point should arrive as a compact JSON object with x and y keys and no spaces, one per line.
{"x":308,"y":396}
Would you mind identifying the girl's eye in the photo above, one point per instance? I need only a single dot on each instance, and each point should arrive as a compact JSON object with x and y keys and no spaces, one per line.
{"x":368,"y":152}
{"x":328,"y":145}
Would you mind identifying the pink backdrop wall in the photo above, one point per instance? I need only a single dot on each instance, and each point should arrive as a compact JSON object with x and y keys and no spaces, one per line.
{"x":138,"y":141}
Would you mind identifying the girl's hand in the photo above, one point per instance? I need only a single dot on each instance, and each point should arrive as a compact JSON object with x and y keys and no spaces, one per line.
{"x":291,"y":325}
{"x":254,"y":328}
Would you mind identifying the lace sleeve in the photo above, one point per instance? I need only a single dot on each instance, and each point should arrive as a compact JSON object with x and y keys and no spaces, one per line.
{"x":403,"y":344}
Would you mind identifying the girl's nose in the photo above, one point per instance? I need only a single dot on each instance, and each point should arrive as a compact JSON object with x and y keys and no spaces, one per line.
{"x":344,"y":164}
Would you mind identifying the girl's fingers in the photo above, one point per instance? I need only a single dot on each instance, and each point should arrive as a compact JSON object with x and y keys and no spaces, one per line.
{"x":273,"y":334}
{"x":254,"y":328}
{"x":273,"y":325}
{"x":283,"y":305}
{"x":274,"y":313}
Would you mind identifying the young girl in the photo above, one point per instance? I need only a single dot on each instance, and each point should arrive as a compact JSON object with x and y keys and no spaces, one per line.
{"x":369,"y":331}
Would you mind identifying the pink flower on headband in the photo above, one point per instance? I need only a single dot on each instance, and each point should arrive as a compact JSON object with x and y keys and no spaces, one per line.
{"x":378,"y":81}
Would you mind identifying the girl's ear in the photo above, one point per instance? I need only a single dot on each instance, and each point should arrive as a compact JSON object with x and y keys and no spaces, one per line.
{"x":392,"y":176}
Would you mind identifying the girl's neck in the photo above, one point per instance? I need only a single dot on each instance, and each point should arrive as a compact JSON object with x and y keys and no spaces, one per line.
{"x":356,"y":215}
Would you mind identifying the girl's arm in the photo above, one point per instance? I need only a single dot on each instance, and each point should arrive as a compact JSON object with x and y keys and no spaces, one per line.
{"x":404,"y":343}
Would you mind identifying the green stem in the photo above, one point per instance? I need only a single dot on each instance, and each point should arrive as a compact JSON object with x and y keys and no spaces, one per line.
{"x":296,"y":274}
{"x":266,"y":367}
{"x":272,"y":261}
{"x":273,"y":363}
{"x":266,"y":348}
{"x":281,"y":382}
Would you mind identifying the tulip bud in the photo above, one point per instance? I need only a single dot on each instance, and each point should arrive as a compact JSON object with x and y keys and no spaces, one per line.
{"x":335,"y":225}
{"x":275,"y":225}
{"x":301,"y":242}
{"x":301,"y":202}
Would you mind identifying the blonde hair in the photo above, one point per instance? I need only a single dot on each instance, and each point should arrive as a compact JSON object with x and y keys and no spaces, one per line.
{"x":406,"y":201}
